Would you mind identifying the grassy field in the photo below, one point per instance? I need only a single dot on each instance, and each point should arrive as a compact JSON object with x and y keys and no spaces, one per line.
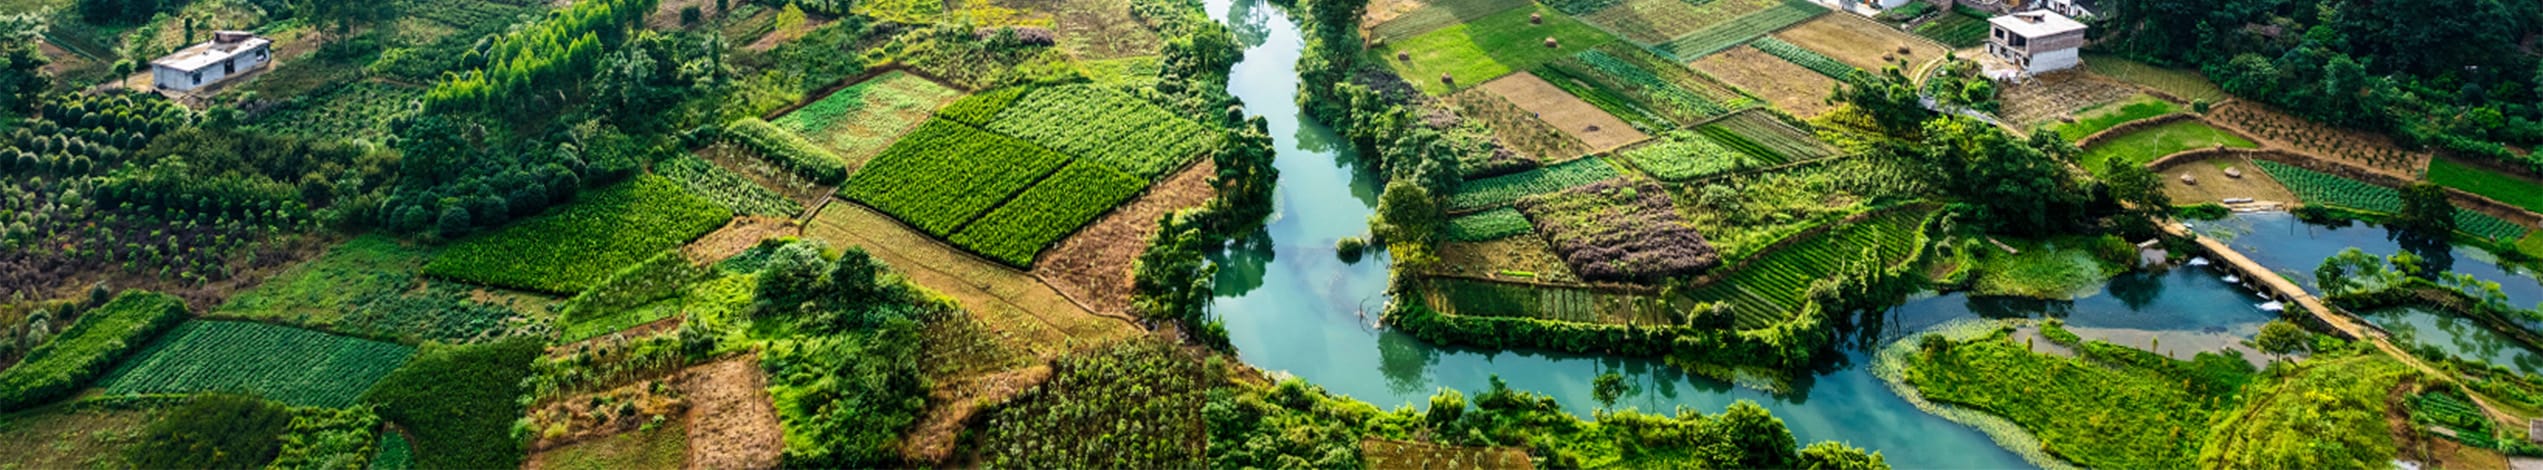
{"x":1027,"y":314}
{"x":2150,"y":143}
{"x":2186,"y":84}
{"x":2503,"y":187}
{"x":2059,"y":269}
{"x":368,"y":286}
{"x":2101,"y":118}
{"x":2292,"y":415}
{"x":1487,"y":48}
{"x":67,"y":436}
{"x":729,"y":295}
{"x":2532,"y":244}
{"x":1765,"y":291}
{"x":281,"y":363}
{"x":1437,"y":14}
{"x":572,"y":248}
{"x":858,"y":121}
{"x":660,"y":447}
{"x":2115,"y":407}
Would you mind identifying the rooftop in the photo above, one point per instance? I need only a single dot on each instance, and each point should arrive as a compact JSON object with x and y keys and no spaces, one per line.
{"x":2037,"y":23}
{"x":224,"y":44}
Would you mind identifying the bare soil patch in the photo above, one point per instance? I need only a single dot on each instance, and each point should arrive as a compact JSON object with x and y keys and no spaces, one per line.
{"x":1790,"y":87}
{"x":1595,"y":128}
{"x":1094,"y":264}
{"x":1381,"y":11}
{"x":1520,"y":253}
{"x":1010,"y":301}
{"x":1389,"y":453}
{"x":1860,"y":42}
{"x":737,"y":236}
{"x":2058,"y":95}
{"x":1093,"y":29}
{"x":2215,"y":186}
{"x":667,"y":16}
{"x":2276,"y":129}
{"x":732,"y":424}
{"x":600,"y":414}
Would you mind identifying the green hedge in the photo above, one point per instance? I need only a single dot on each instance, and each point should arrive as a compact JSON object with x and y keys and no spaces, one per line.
{"x":788,"y":150}
{"x":88,"y":348}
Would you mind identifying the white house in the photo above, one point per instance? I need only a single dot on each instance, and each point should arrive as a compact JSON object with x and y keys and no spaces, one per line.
{"x":2036,"y":41}
{"x":230,"y":54}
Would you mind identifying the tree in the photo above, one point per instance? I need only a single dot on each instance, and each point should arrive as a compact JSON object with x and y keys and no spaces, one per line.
{"x":1757,"y":439}
{"x":1172,"y":280}
{"x":214,"y":431}
{"x":1607,"y":388}
{"x":794,"y":274}
{"x":2021,"y":186}
{"x":1445,"y":407}
{"x":2425,"y":211}
{"x":1889,"y":97}
{"x":1408,"y":220}
{"x":2281,"y":337}
{"x":21,"y":63}
{"x":1828,"y":455}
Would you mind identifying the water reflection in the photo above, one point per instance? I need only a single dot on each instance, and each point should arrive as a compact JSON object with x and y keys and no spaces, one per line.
{"x":2455,"y":336}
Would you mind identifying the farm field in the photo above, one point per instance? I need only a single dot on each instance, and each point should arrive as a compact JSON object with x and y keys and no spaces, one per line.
{"x":1501,"y":190}
{"x":1740,"y":29}
{"x":1029,"y":315}
{"x":290,"y":365}
{"x":1094,"y":265}
{"x":1050,"y":210}
{"x":660,"y":447}
{"x":1089,"y":29}
{"x":1393,"y":20}
{"x":2114,"y":407}
{"x":945,"y":174}
{"x":1956,"y":29}
{"x":1106,"y":126}
{"x":1518,"y":129}
{"x":361,"y":110}
{"x":2050,"y":98}
{"x":734,"y":192}
{"x":860,"y":120}
{"x":2498,"y":186}
{"x":1518,"y":257}
{"x":2327,"y":189}
{"x":1747,"y":212}
{"x":71,"y":436}
{"x":2100,"y":117}
{"x":374,"y":286}
{"x":66,"y":362}
{"x":2359,"y":148}
{"x":1789,"y":87}
{"x":576,"y":246}
{"x":1595,"y":128}
{"x":1768,"y":138}
{"x":2150,"y":143}
{"x":2214,"y":186}
{"x":1645,"y":89}
{"x":1491,"y":299}
{"x":1860,"y":42}
{"x":2061,"y":268}
{"x":729,"y":295}
{"x":1618,"y":230}
{"x":1387,"y":453}
{"x":1658,"y":21}
{"x":1485,"y":49}
{"x":1765,"y":290}
{"x":2185,"y":84}
{"x":1489,"y":225}
{"x":1805,"y":58}
{"x":1685,"y":155}
{"x":741,"y":161}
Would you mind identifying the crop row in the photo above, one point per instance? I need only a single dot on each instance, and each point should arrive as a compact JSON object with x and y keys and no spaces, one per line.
{"x":1730,"y":34}
{"x":789,"y":150}
{"x":1763,"y":136}
{"x":2316,"y":187}
{"x":1048,"y":211}
{"x":290,"y":365}
{"x":980,"y":108}
{"x":1805,"y":58}
{"x":944,"y":174}
{"x":576,"y":247}
{"x":726,"y":188}
{"x":1956,"y":29}
{"x":1636,"y":77}
{"x":100,"y":337}
{"x":1517,"y":129}
{"x":1112,"y":128}
{"x":1487,"y":299}
{"x":1627,"y":90}
{"x":1618,"y":230}
{"x":1766,"y":290}
{"x":1684,"y":155}
{"x":1502,"y":190}
{"x":1658,"y":21}
{"x":1488,"y":225}
{"x":1608,"y":99}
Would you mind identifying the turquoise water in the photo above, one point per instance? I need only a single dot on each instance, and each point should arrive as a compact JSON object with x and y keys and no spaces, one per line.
{"x":2460,"y":337}
{"x":1292,"y":307}
{"x":2294,"y":248}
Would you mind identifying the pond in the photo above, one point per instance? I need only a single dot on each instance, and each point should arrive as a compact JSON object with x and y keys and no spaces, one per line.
{"x":2454,"y":335}
{"x":2294,"y":248}
{"x":1292,"y":307}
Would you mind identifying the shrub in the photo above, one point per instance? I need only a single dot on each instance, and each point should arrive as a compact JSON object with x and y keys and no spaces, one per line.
{"x":574,"y":248}
{"x":85,"y":350}
{"x":329,"y":438}
{"x":214,"y":431}
{"x":457,"y":400}
{"x":2203,"y":211}
{"x":2281,"y":337}
{"x":788,"y":150}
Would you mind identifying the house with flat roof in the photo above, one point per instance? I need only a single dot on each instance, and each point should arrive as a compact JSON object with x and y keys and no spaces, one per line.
{"x":2036,"y":41}
{"x":229,"y":54}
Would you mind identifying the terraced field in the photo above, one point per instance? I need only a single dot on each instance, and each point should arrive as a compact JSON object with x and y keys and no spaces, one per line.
{"x":2316,"y":187}
{"x":1766,"y":291}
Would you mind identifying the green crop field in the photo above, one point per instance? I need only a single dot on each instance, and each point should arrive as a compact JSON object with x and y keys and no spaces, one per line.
{"x":2316,"y":187}
{"x":2498,"y":186}
{"x":1488,"y":225}
{"x":1488,"y":299}
{"x":1805,"y":58}
{"x":1047,"y":212}
{"x":1732,"y":33}
{"x":1763,"y":136}
{"x":726,"y":297}
{"x":572,"y":248}
{"x":788,"y":150}
{"x":368,"y":286}
{"x":1658,"y":21}
{"x":2094,"y":120}
{"x":861,"y":119}
{"x":1643,"y":89}
{"x":2150,"y":143}
{"x":1685,"y":155}
{"x":726,"y":188}
{"x":979,"y":109}
{"x":1439,"y":14}
{"x":280,"y":363}
{"x":1106,"y":126}
{"x":944,"y":174}
{"x":66,"y":361}
{"x":1766,"y":291}
{"x":1956,"y":29}
{"x":1487,"y":48}
{"x":1502,"y":190}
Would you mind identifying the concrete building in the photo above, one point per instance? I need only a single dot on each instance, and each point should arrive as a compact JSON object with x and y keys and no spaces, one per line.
{"x":229,"y":54}
{"x":2036,"y":41}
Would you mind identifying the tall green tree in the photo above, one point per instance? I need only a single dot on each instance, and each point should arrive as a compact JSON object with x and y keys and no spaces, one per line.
{"x":2426,"y":212}
{"x":22,"y":75}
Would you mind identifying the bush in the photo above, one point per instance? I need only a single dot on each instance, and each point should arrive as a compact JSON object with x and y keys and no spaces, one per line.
{"x":2203,"y":211}
{"x":83,"y":352}
{"x":788,"y":150}
{"x":214,"y":431}
{"x":458,"y":400}
{"x":329,"y":438}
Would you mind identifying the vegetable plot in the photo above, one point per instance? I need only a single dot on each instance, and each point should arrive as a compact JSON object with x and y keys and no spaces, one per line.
{"x":944,"y":174}
{"x":1616,"y":230}
{"x":1048,"y":212}
{"x":65,"y":363}
{"x":1126,"y":132}
{"x":1730,"y":34}
{"x":1805,"y":58}
{"x":725,"y":188}
{"x":576,"y":247}
{"x":1501,"y":190}
{"x":786,"y":149}
{"x":1488,"y":226}
{"x":2316,"y":187}
{"x":290,"y":365}
{"x":1684,"y":155}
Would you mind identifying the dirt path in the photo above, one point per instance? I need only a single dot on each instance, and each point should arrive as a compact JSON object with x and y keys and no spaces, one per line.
{"x":732,"y":424}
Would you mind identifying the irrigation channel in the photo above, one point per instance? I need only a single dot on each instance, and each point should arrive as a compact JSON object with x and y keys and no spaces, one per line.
{"x":1292,"y":307}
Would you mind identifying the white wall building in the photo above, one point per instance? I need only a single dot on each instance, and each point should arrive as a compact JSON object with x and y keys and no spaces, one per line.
{"x":229,"y":54}
{"x":2036,"y":41}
